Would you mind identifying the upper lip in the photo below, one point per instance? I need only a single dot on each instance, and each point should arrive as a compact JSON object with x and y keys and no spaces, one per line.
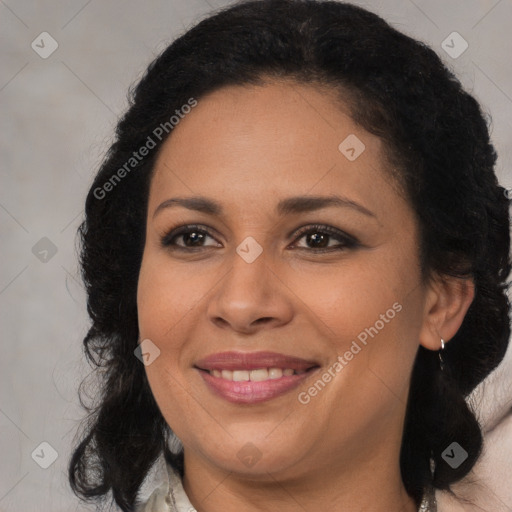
{"x":252,"y":361}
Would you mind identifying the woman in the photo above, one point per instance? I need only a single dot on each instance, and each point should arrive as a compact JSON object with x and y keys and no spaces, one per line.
{"x":296,"y":255}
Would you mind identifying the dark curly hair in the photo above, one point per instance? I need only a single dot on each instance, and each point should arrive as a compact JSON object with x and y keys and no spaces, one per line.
{"x":438,"y":141}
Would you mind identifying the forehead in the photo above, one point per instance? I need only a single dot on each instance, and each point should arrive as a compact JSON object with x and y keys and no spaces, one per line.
{"x":254,"y":142}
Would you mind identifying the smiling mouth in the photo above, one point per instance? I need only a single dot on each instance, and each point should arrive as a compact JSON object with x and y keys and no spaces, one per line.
{"x":256,"y":375}
{"x":255,"y":386}
{"x":253,"y":377}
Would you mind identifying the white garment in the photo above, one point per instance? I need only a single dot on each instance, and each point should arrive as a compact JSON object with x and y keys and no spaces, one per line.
{"x":169,"y":496}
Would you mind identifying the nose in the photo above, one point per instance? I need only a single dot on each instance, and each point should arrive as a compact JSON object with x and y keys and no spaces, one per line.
{"x":250,"y":297}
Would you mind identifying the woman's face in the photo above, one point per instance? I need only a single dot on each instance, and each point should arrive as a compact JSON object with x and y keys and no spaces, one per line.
{"x":333,"y":281}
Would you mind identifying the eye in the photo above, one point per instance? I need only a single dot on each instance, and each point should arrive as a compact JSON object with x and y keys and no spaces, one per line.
{"x":320,"y":236}
{"x":192,"y":237}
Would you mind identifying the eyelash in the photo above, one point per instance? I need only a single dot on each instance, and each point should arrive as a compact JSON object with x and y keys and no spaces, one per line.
{"x":347,"y":241}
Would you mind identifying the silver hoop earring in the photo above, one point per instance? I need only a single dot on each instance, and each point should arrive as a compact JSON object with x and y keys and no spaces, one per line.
{"x":441,"y":362}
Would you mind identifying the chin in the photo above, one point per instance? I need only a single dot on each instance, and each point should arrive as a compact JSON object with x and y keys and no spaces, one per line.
{"x":255,"y":459}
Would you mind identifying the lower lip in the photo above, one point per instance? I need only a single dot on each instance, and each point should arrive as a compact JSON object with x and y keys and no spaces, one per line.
{"x":248,"y":392}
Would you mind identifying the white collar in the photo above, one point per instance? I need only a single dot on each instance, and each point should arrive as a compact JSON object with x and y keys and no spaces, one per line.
{"x":170,"y":496}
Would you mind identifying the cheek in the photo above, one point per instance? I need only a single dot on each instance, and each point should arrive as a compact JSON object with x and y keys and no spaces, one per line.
{"x":344,"y":300}
{"x":164,"y":297}
{"x":165,"y":294}
{"x":369,"y":312}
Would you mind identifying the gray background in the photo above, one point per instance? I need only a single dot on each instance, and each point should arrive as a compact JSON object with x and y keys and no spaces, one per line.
{"x":59,"y":114}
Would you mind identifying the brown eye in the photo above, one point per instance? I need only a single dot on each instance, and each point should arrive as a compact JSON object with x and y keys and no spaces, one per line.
{"x":192,"y":237}
{"x":318,"y":239}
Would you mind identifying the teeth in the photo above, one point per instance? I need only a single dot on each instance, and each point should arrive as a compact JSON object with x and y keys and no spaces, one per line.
{"x":227,"y":374}
{"x":240,"y":375}
{"x":258,"y":375}
{"x":275,"y":373}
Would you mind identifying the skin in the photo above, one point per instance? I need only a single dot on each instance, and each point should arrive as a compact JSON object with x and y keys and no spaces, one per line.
{"x":247,"y":148}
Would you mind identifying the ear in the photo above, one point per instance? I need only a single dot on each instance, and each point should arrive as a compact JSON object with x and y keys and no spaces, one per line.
{"x":447,"y":301}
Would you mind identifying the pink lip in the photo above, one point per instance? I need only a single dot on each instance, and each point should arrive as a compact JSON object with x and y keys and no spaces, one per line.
{"x":247,"y":392}
{"x":253,"y":361}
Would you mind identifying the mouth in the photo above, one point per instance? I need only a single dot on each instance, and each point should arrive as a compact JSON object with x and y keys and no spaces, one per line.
{"x":257,"y":375}
{"x":247,"y":378}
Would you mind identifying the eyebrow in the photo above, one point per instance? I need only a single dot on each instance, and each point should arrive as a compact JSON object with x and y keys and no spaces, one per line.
{"x":288,"y":206}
